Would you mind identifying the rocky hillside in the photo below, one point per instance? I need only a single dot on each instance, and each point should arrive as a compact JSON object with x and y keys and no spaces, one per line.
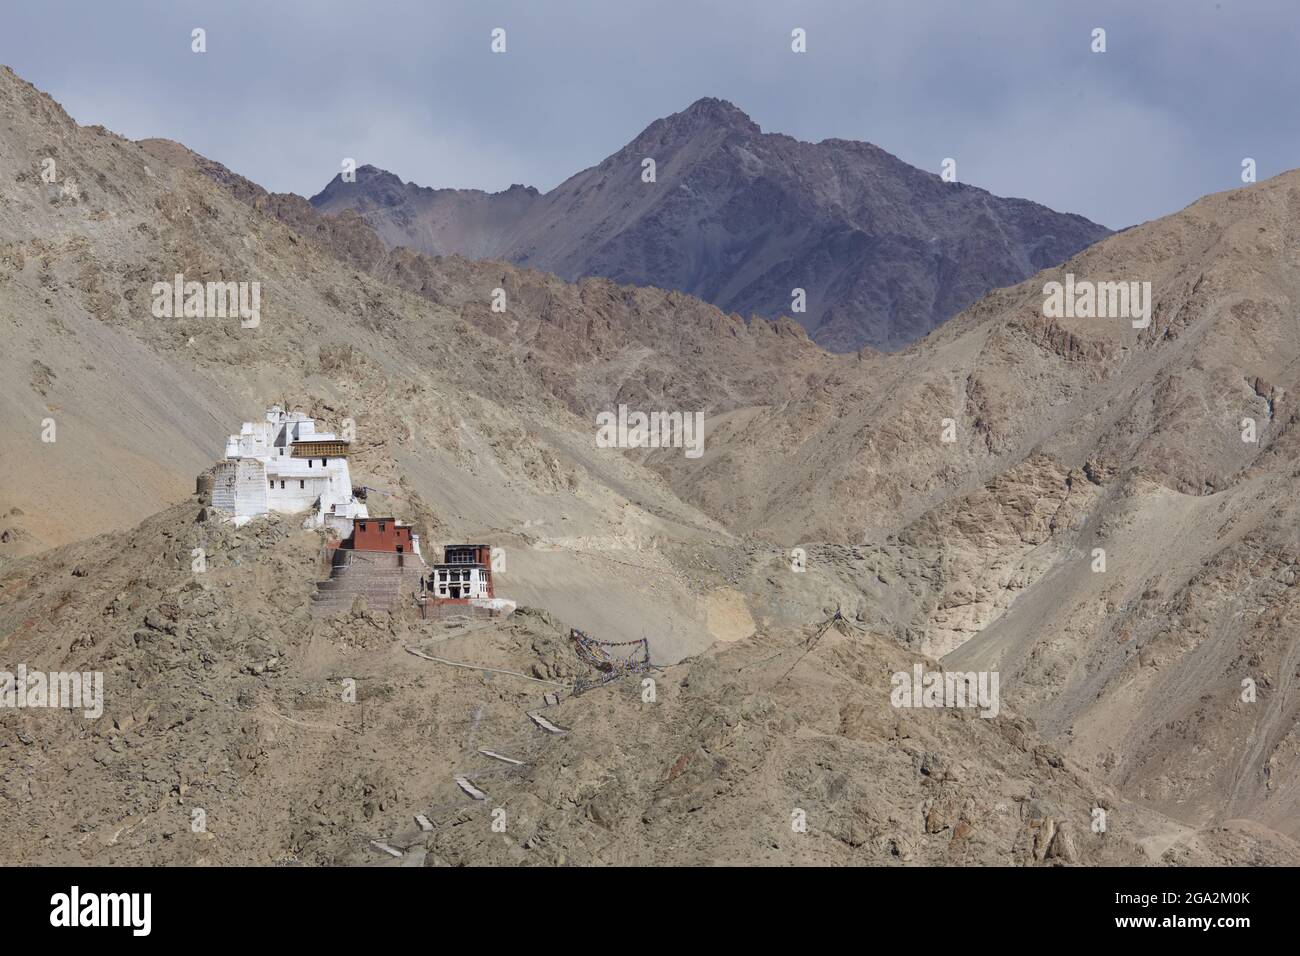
{"x":885,"y":252}
{"x":1171,"y":448}
{"x":229,"y":736}
{"x":591,"y":344}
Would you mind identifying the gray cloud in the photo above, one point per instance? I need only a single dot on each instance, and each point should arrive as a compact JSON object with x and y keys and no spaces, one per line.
{"x":1009,"y":89}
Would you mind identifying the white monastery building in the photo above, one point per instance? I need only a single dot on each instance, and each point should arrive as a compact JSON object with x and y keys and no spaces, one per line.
{"x":283,"y":464}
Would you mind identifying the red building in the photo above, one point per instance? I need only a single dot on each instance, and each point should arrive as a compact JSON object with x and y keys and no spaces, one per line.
{"x":380,"y":534}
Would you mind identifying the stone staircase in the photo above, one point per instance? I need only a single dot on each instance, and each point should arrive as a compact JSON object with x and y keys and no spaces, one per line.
{"x":370,"y":575}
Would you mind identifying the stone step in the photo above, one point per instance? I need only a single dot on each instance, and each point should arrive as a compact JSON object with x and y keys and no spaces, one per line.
{"x":335,"y":596}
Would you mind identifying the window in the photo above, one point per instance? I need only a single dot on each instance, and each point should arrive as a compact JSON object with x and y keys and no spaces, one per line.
{"x":322,"y":462}
{"x":281,"y":482}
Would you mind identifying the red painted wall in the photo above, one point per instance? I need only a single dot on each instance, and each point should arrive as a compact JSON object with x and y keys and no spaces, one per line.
{"x":380,"y":534}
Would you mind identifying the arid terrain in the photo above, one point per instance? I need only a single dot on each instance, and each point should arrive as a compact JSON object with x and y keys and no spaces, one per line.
{"x":828,"y":481}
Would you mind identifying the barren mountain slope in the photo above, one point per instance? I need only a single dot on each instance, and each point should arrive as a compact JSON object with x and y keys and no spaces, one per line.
{"x":884,"y":251}
{"x":593,"y":344}
{"x":865,"y":452}
{"x":1070,"y":435}
{"x":225,"y":703}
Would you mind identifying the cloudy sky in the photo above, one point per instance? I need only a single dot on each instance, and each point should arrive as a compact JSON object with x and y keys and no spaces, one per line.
{"x":1009,"y":88}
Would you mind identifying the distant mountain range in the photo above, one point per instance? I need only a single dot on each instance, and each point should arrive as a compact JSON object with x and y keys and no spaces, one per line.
{"x":884,"y":252}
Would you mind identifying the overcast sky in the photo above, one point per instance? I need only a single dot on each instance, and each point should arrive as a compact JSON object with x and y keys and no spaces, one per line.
{"x":1009,"y":88}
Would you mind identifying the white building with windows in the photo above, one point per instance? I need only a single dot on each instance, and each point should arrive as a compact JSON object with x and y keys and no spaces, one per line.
{"x":283,"y":464}
{"x":450,"y":583}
